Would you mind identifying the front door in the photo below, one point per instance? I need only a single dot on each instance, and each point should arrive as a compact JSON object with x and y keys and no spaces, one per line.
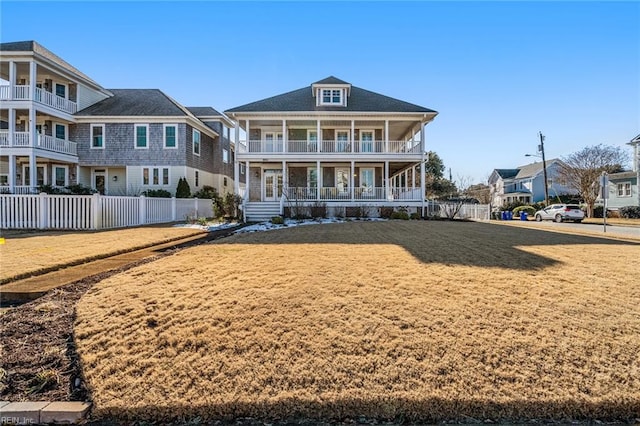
{"x":99,"y":181}
{"x":272,"y":185}
{"x":342,"y":181}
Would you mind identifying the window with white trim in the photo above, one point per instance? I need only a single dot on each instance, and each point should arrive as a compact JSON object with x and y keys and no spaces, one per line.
{"x":242,"y":168}
{"x":196,"y":142}
{"x":97,"y":136}
{"x":225,"y":155}
{"x":141,"y":132}
{"x":624,"y":189}
{"x":170,"y":136}
{"x":60,"y":175}
{"x":61,"y":131}
{"x":61,"y":90}
{"x":4,"y":179}
{"x":152,"y":176}
{"x":331,"y":96}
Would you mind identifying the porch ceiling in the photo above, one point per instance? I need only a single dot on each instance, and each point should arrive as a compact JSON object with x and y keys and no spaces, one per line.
{"x":398,"y":130}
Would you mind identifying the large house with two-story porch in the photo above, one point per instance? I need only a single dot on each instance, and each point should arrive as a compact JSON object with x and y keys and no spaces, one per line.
{"x":331,"y":143}
{"x":59,"y":127}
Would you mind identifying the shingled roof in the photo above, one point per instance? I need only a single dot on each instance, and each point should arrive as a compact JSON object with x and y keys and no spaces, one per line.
{"x":507,"y":173}
{"x":360,"y":100}
{"x":135,"y":102}
{"x":37,"y":48}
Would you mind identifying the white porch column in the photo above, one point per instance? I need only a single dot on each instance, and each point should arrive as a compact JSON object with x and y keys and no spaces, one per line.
{"x":12,"y":173}
{"x":318,"y":180}
{"x":284,"y":137}
{"x":353,"y":135}
{"x":12,"y":125}
{"x":422,"y":167}
{"x":12,"y":79}
{"x":386,"y":135}
{"x":32,"y":152}
{"x":387,"y":189}
{"x":413,"y":179}
{"x":237,"y":128}
{"x":351,"y":180}
{"x":248,"y":136}
{"x":423,"y":141}
{"x":319,"y":136}
{"x":236,"y":174}
{"x":32,"y":80}
{"x":406,"y":179}
{"x":247,"y":183}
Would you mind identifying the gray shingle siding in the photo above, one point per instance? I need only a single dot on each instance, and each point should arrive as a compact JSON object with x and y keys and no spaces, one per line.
{"x":205,"y":160}
{"x":119,"y":146}
{"x":221,"y":143}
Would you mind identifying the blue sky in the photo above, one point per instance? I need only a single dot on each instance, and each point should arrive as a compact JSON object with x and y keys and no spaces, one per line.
{"x":497,"y":72}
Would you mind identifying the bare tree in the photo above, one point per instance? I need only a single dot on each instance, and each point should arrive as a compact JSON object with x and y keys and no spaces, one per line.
{"x":452,"y":206}
{"x":582,"y":170}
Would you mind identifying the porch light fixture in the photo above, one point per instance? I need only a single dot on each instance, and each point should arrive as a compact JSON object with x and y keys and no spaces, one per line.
{"x":115,"y":178}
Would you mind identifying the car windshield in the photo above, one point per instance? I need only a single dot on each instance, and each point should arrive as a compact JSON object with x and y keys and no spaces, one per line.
{"x":573,"y":207}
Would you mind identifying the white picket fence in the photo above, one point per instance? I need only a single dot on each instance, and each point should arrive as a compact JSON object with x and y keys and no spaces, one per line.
{"x":458,"y":210}
{"x":45,"y":211}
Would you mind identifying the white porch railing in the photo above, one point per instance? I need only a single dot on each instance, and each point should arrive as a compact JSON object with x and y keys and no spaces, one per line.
{"x":44,"y":211}
{"x":55,"y":101}
{"x":57,"y":145}
{"x":330,"y":146}
{"x":50,"y":143}
{"x":358,"y":194}
{"x":22,"y":93}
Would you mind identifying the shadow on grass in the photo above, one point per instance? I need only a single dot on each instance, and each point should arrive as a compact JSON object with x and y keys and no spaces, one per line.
{"x":390,"y":409}
{"x":456,"y":243}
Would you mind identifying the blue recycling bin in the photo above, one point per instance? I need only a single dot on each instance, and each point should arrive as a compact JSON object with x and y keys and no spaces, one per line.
{"x":504,"y":215}
{"x":509,"y":215}
{"x":523,"y":216}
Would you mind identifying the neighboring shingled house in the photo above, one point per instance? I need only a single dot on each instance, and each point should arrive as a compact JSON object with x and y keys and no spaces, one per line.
{"x":623,"y":186}
{"x":334,"y":144}
{"x":59,"y":127}
{"x":526,"y":184}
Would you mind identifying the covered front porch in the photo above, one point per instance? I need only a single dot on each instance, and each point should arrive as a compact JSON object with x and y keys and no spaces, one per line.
{"x":352,"y":181}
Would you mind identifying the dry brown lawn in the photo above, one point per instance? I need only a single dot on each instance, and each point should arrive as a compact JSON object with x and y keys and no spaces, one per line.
{"x":392,"y":320}
{"x":25,"y":253}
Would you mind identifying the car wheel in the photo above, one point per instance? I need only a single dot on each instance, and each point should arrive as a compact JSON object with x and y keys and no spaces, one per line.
{"x":578,"y":221}
{"x":538,"y":218}
{"x":558,"y":218}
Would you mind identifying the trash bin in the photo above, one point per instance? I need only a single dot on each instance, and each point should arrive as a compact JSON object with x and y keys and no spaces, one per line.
{"x":504,"y":215}
{"x":509,"y":215}
{"x":523,"y":216}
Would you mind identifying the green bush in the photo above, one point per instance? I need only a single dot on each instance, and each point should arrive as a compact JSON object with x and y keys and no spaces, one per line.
{"x":231,"y":205}
{"x":403,"y":215}
{"x":157,"y":193}
{"x":277,"y":220}
{"x":207,"y":192}
{"x":630,"y":212}
{"x":183,"y":190}
{"x":414,"y":216}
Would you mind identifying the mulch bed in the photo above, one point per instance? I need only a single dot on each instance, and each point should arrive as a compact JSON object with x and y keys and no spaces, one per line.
{"x":38,"y":359}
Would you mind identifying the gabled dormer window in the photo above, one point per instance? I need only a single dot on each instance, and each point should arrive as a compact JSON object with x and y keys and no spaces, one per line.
{"x":331,"y":97}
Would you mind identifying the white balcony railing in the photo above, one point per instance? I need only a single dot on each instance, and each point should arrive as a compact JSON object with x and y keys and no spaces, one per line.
{"x":22,"y":93}
{"x":357,"y":194}
{"x":57,"y":145}
{"x":49,"y":143}
{"x":330,"y":146}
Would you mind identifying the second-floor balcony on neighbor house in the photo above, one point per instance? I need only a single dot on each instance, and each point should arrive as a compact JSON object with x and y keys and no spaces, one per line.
{"x":40,"y":95}
{"x":330,"y":146}
{"x":45,"y":142}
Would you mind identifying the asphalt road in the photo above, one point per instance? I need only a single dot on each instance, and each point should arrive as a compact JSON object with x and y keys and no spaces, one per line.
{"x":611,"y":230}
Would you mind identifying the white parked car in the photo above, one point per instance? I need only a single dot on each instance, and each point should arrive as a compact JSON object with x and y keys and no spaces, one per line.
{"x":560,"y":213}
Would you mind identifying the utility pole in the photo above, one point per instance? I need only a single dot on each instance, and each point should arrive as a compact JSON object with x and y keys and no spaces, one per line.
{"x":544,"y":170}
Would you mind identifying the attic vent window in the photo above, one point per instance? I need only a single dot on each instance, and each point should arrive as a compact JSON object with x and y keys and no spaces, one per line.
{"x":331,"y":97}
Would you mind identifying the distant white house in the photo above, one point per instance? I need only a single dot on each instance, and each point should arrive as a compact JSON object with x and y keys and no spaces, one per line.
{"x":623,"y":186}
{"x":526,"y":183}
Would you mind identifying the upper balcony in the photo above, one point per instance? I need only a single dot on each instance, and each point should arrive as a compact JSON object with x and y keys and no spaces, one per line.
{"x":329,"y":147}
{"x":45,"y":142}
{"x":23,"y":93}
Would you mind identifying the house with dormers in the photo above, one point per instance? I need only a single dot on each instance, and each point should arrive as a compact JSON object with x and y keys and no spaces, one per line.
{"x":332,"y":143}
{"x":59,"y":127}
{"x":525,"y":184}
